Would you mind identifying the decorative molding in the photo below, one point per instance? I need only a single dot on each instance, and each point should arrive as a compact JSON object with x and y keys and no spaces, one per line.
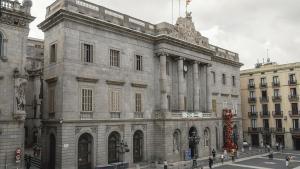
{"x":118,"y":83}
{"x":86,"y":79}
{"x":139,"y":85}
{"x":110,"y":128}
{"x":215,"y":94}
{"x":15,"y":19}
{"x":235,"y":96}
{"x":79,"y":129}
{"x":224,"y":94}
{"x":142,"y":127}
{"x":52,"y":79}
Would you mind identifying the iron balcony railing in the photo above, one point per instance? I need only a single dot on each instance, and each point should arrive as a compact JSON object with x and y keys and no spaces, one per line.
{"x":294,"y":98}
{"x":276,"y":84}
{"x":252,"y":100}
{"x":295,"y":130}
{"x":264,"y":99}
{"x":294,"y":113}
{"x":278,"y":114}
{"x":252,"y":114}
{"x":279,"y":130}
{"x":265,"y":114}
{"x":267,"y":130}
{"x":253,"y":130}
{"x":263,"y":85}
{"x":292,"y":82}
{"x":276,"y":98}
{"x":251,"y":86}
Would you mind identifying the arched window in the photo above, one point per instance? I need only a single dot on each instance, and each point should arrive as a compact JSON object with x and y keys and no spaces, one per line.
{"x":206,"y":137}
{"x":176,"y":141}
{"x":114,"y":140}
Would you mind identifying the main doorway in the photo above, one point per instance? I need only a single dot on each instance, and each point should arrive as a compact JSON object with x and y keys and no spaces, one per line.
{"x":85,"y":143}
{"x":138,"y":145}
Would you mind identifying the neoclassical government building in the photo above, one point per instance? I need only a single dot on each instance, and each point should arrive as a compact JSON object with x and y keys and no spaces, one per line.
{"x":112,"y":82}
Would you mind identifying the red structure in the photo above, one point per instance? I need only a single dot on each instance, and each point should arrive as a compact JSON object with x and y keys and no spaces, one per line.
{"x":228,"y":124}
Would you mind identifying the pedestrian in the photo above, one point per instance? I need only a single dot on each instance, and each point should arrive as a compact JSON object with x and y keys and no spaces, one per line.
{"x":222,"y":158}
{"x":210,"y":162}
{"x":165,"y":164}
{"x":277,"y":146}
{"x":281,"y":147}
{"x":225,"y":154}
{"x":214,"y":153}
{"x":28,"y":162}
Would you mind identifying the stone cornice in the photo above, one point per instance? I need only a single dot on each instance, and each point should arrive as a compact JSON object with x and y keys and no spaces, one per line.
{"x":13,"y":18}
{"x":117,"y":83}
{"x":86,"y":79}
{"x":226,"y":61}
{"x":139,"y":85}
{"x":271,"y":69}
{"x":52,"y":80}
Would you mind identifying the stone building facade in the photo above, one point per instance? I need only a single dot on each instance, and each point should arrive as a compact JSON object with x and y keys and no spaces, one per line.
{"x":270,"y":103}
{"x":14,"y":29}
{"x":113,"y":82}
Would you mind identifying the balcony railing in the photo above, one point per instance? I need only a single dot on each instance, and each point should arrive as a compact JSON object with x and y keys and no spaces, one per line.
{"x":267,"y":130}
{"x":295,"y":130}
{"x":293,"y":98}
{"x":279,"y":130}
{"x":252,"y":100}
{"x":251,"y":86}
{"x":263,"y":85}
{"x":277,"y":114}
{"x":294,"y":113}
{"x":252,"y":114}
{"x":265,"y":114}
{"x":264,"y":99}
{"x":276,"y":98}
{"x":253,"y":130}
{"x":86,"y":115}
{"x":138,"y":115}
{"x":292,"y":82}
{"x":276,"y":84}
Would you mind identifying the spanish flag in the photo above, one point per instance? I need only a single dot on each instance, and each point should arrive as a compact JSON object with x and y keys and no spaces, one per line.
{"x":188,"y":2}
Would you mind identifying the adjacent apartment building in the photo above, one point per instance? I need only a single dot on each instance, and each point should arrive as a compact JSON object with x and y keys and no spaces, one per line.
{"x":270,"y":104}
{"x":113,"y":82}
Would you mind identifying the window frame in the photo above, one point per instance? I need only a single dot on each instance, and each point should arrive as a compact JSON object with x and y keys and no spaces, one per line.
{"x":115,"y":103}
{"x":92,"y":99}
{"x":113,"y":59}
{"x":223,"y":78}
{"x":233,"y":80}
{"x":138,"y":66}
{"x":53,"y":55}
{"x":83,"y":52}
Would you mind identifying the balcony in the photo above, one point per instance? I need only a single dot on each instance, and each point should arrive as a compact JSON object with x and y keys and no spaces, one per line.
{"x":292,"y":82}
{"x":264,"y":99}
{"x":265,"y":114}
{"x":277,"y":114}
{"x":279,"y":130}
{"x":275,"y":84}
{"x":253,"y":130}
{"x":251,"y":86}
{"x":293,"y":98}
{"x":252,"y":100}
{"x":294,"y":113}
{"x":138,"y":115}
{"x":263,"y":85}
{"x":252,"y":114}
{"x":86,"y":115}
{"x":276,"y":98}
{"x":295,"y":131}
{"x":266,"y":130}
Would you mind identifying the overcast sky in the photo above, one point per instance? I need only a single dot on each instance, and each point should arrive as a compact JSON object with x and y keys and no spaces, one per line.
{"x":248,"y":27}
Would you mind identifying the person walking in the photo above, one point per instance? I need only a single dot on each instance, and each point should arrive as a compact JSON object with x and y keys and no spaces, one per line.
{"x":165,"y":164}
{"x":214,"y":153}
{"x":277,"y":146}
{"x":210,"y":162}
{"x":28,"y":162}
{"x":222,"y":158}
{"x":287,"y":161}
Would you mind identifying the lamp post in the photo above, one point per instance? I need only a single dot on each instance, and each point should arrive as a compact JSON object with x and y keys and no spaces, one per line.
{"x":194,"y":140}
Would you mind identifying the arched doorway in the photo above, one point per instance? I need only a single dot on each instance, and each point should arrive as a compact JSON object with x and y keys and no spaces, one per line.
{"x":138,"y":146}
{"x":52,"y":151}
{"x":85,"y":144}
{"x":193,"y":142}
{"x":113,"y":151}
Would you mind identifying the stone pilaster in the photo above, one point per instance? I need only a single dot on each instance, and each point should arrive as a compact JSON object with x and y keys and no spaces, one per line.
{"x":180,"y":85}
{"x":163,"y":83}
{"x":196,"y":86}
{"x":208,"y":89}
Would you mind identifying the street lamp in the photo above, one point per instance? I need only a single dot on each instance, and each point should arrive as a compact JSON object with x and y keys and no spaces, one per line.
{"x":123,"y":148}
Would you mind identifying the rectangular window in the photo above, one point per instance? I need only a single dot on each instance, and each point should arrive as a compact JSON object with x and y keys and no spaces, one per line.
{"x":265,"y":108}
{"x":51,"y":99}
{"x":233,"y":80}
{"x":138,"y":63}
{"x":252,"y":108}
{"x":293,"y":92}
{"x":53,"y":53}
{"x":138,"y":102}
{"x":295,"y":123}
{"x":185,"y":104}
{"x":292,"y":78}
{"x":86,"y":100}
{"x":253,"y":123}
{"x":277,"y":108}
{"x":252,"y":94}
{"x":87,"y":53}
{"x":251,"y":82}
{"x":264,"y":94}
{"x":115,"y":101}
{"x":169,"y":102}
{"x":168,"y":68}
{"x":279,"y":123}
{"x":276,"y":92}
{"x":263,"y":80}
{"x":275,"y":79}
{"x":214,"y":77}
{"x":224,"y":79}
{"x":294,"y":108}
{"x":266,"y":123}
{"x":114,"y":58}
{"x":214,"y":105}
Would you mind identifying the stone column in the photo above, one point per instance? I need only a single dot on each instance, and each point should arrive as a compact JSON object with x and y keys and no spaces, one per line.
{"x":163,"y":83}
{"x":196,"y":86}
{"x":180,"y":85}
{"x":208,"y":89}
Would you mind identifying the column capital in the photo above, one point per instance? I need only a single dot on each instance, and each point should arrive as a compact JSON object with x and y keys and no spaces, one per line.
{"x":179,"y":58}
{"x":196,"y":62}
{"x":162,"y":53}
